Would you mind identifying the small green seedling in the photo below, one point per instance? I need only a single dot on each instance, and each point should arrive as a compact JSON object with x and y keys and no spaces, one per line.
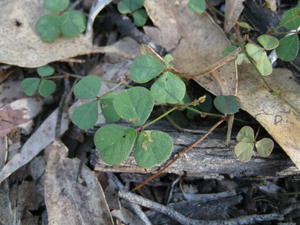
{"x":246,"y":143}
{"x":44,"y":86}
{"x":61,"y":22}
{"x":134,"y":105}
{"x":135,"y":8}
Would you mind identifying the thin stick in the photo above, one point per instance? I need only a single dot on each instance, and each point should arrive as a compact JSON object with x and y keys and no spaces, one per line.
{"x":211,"y":69}
{"x":179,"y":155}
{"x":250,"y":219}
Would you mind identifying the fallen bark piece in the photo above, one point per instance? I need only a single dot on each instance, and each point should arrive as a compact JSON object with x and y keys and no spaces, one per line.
{"x":73,"y":194}
{"x":233,"y":10}
{"x":211,"y":159}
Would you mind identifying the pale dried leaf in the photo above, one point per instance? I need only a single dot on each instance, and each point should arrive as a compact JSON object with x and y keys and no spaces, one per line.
{"x":40,"y":139}
{"x":233,"y":10}
{"x":200,"y":43}
{"x":21,"y":46}
{"x":10,"y":90}
{"x":19,"y":114}
{"x":71,"y":199}
{"x":278,"y":114}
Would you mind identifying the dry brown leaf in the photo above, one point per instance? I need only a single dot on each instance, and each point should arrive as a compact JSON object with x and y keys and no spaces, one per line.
{"x":70,"y":199}
{"x":39,"y":140}
{"x":21,"y":46}
{"x":279,"y":115}
{"x":233,"y":10}
{"x":198,"y":42}
{"x":19,"y":114}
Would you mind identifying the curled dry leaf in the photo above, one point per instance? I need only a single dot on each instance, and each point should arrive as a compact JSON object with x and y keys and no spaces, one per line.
{"x":21,"y":46}
{"x":71,"y":198}
{"x":278,"y":112}
{"x":197,"y":41}
{"x":19,"y":114}
{"x":39,"y":140}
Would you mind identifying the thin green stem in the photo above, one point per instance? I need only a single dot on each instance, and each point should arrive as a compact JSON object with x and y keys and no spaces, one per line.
{"x":282,"y":24}
{"x":204,"y":113}
{"x":113,"y":88}
{"x":160,"y":117}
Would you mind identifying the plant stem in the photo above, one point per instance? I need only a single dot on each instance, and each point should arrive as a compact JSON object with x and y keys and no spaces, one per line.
{"x":160,"y":117}
{"x":204,"y":113}
{"x":179,"y":155}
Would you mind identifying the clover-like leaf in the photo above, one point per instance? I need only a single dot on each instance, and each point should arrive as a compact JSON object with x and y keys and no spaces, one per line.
{"x":288,"y":47}
{"x":168,"y":58}
{"x":152,"y":148}
{"x":291,"y":19}
{"x":246,"y":134}
{"x":48,"y":27}
{"x":140,"y":17}
{"x":197,"y":6}
{"x":30,"y":85}
{"x":228,"y":104}
{"x":47,"y":88}
{"x":107,"y":107}
{"x":128,"y":6}
{"x":88,"y":87}
{"x":85,"y":116}
{"x":45,"y":71}
{"x":268,"y":42}
{"x":264,"y":147}
{"x":245,"y":25}
{"x":56,"y":5}
{"x":242,"y":57}
{"x":134,"y":105}
{"x":144,"y":68}
{"x":114,"y":143}
{"x":73,"y":22}
{"x":229,"y":49}
{"x":260,"y":59}
{"x":168,"y":88}
{"x":244,"y":151}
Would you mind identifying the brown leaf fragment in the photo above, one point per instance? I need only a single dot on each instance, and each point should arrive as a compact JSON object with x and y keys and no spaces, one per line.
{"x":233,"y":10}
{"x":69,"y":198}
{"x":197,"y":43}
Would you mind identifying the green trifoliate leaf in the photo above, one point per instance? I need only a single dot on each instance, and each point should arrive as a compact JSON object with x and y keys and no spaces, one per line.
{"x":47,"y":88}
{"x":264,"y":147}
{"x":48,"y":27}
{"x":85,"y":116}
{"x":227,"y":104}
{"x":197,"y":6}
{"x":229,"y":50}
{"x":72,"y":23}
{"x":168,"y":88}
{"x":152,"y":148}
{"x":56,"y":5}
{"x":268,"y":42}
{"x":107,"y":107}
{"x":45,"y":71}
{"x":88,"y":87}
{"x":260,"y":59}
{"x":288,"y":48}
{"x":114,"y":143}
{"x":30,"y":85}
{"x":291,"y":19}
{"x":242,"y":57}
{"x":244,"y":151}
{"x":140,"y":17}
{"x":134,"y":105}
{"x":144,"y":68}
{"x":128,"y":6}
{"x":246,"y":134}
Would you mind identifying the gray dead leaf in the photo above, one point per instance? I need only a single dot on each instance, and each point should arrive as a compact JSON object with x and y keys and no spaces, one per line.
{"x":74,"y":201}
{"x":233,"y":10}
{"x":200,"y":43}
{"x":10,"y":90}
{"x":39,"y":140}
{"x":21,"y":46}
